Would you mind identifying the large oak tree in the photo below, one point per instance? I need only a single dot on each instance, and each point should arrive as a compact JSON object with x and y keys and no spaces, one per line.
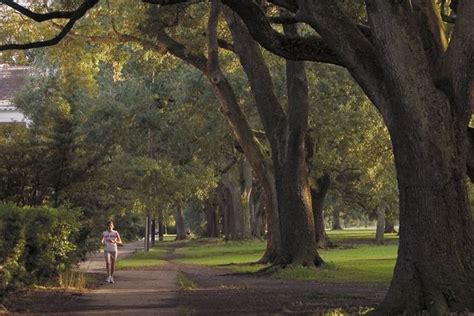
{"x":420,"y":79}
{"x":420,"y":82}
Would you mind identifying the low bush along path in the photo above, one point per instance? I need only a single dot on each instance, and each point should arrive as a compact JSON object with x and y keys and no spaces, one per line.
{"x":203,"y":290}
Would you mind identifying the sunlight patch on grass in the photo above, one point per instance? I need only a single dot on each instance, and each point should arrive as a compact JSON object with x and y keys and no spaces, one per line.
{"x":142,"y":259}
{"x":359,"y":263}
{"x":357,"y":235}
{"x":363,"y":264}
{"x":356,"y":260}
{"x":220,"y":252}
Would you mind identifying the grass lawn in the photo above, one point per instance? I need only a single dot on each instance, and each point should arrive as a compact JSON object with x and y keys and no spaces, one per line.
{"x":358,"y":236}
{"x":355,"y":259}
{"x":218,"y":252}
{"x":141,"y":259}
{"x":360,"y":264}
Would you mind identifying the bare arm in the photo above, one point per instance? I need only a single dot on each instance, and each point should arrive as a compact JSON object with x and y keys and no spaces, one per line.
{"x":118,"y":240}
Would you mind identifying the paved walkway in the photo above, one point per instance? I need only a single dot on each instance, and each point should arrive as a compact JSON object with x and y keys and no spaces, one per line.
{"x":135,"y":292}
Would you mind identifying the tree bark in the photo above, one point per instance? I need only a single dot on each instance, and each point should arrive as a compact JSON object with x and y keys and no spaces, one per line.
{"x":424,"y":98}
{"x":230,"y":108}
{"x":210,"y":209}
{"x":257,"y":213}
{"x":336,"y":221}
{"x":389,"y":226}
{"x":286,"y":134}
{"x":161,"y":226}
{"x":434,"y":269}
{"x":231,"y":182}
{"x":261,"y":165}
{"x":380,"y":225}
{"x":245,"y":191}
{"x":226,"y":211}
{"x":235,"y":219}
{"x":179,"y":220}
{"x":318,"y":195}
{"x":152,"y":231}
{"x":146,"y":241}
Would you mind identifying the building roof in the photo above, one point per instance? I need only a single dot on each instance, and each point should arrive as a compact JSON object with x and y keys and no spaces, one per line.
{"x":12,"y":79}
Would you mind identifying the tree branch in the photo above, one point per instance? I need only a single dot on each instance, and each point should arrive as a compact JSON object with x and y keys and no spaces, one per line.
{"x":458,"y":63}
{"x":312,"y":48}
{"x":225,"y":45}
{"x":448,"y":18}
{"x":282,"y":19}
{"x":345,"y":37}
{"x":258,"y":74}
{"x":38,"y":17}
{"x":75,"y":16}
{"x":213,"y":47}
{"x":290,"y":6}
{"x":177,"y":49}
{"x":166,"y":2}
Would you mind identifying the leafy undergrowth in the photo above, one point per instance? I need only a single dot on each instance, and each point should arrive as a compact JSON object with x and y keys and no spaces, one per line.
{"x":72,"y":280}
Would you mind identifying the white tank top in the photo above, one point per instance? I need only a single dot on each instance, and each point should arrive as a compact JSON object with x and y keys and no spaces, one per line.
{"x":108,"y":237}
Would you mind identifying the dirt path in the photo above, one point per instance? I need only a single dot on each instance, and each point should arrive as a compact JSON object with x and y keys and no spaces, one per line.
{"x":217,"y":292}
{"x":135,"y":292}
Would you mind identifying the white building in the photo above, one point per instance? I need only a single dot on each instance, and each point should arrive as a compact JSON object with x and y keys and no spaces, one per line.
{"x":12,"y":78}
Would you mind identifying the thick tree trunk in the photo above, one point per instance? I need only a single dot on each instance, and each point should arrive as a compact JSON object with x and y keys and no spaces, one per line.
{"x":230,"y":107}
{"x":336,"y":221}
{"x":435,"y":266}
{"x":389,"y":226}
{"x":210,"y":210}
{"x":318,"y":194}
{"x":245,"y":191}
{"x":286,"y":134}
{"x":257,"y":213}
{"x":233,"y":188}
{"x":470,"y":154}
{"x":405,"y":69}
{"x":226,"y":211}
{"x":260,"y":163}
{"x":178,"y":217}
{"x":380,"y":225}
{"x":289,"y":158}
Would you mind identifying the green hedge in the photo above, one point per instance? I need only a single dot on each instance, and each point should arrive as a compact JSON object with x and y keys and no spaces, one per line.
{"x":36,"y":243}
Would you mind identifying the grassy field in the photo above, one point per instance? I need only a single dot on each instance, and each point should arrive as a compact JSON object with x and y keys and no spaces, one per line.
{"x":355,"y":257}
{"x":143,"y":260}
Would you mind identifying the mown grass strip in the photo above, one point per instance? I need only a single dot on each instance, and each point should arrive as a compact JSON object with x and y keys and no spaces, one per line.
{"x":355,"y":259}
{"x":142,"y":259}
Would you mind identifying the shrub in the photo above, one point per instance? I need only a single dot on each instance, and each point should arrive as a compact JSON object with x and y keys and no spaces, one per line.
{"x":36,"y":244}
